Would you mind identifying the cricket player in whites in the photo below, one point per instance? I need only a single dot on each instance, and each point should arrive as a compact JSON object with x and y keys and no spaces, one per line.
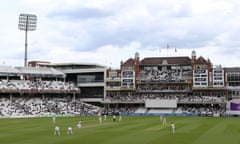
{"x":161,"y":118}
{"x":164,"y":121}
{"x":54,"y":118}
{"x":57,"y":130}
{"x":70,"y":130}
{"x":105,"y":116}
{"x":79,"y":125}
{"x":120,"y":116}
{"x":100,"y":118}
{"x":173,"y":127}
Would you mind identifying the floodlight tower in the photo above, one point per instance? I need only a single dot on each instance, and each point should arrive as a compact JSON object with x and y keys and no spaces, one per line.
{"x":27,"y":22}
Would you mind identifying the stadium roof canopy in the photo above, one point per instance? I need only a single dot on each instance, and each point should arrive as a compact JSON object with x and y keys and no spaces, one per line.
{"x":8,"y":70}
{"x":40,"y":71}
{"x":129,"y":62}
{"x":62,"y":66}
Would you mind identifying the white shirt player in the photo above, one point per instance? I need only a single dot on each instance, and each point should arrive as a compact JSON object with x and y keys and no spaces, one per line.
{"x":69,"y":130}
{"x":120,"y":117}
{"x":100,"y":118}
{"x":105,"y":116}
{"x":161,"y":118}
{"x":57,"y":130}
{"x":164,"y":121}
{"x":114,"y":117}
{"x":79,"y":125}
{"x":173,"y":127}
{"x":54,"y":119}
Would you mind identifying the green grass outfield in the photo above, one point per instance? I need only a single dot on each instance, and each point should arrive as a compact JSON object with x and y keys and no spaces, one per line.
{"x":131,"y":130}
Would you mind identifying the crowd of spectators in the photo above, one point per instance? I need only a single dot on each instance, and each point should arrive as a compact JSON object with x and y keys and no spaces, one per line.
{"x":187,"y":104}
{"x":27,"y":106}
{"x":36,"y":85}
{"x":206,"y":110}
{"x":121,"y":109}
{"x":155,"y":74}
{"x":37,"y":106}
{"x":180,"y":98}
{"x":162,"y":88}
{"x":21,"y":106}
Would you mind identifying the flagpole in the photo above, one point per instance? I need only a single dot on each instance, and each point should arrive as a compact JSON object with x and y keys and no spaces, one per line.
{"x":159,"y":51}
{"x":167,"y":49}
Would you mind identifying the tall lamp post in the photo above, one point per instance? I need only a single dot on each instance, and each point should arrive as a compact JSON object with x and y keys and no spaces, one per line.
{"x":27,"y":22}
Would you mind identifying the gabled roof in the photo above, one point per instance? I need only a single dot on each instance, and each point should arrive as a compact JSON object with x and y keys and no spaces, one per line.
{"x":201,"y":60}
{"x":129,"y":62}
{"x":166,"y":60}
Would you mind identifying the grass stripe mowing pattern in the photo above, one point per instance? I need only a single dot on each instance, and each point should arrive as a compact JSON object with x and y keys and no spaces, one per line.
{"x":133,"y":129}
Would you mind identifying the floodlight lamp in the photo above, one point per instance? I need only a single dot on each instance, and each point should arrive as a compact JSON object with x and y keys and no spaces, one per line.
{"x":27,"y":22}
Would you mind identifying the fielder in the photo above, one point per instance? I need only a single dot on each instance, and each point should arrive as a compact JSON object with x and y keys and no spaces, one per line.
{"x":120,"y":117}
{"x":164,"y":121}
{"x":114,"y":117}
{"x":79,"y":125}
{"x":57,"y":130}
{"x":173,"y":127}
{"x":100,"y":118}
{"x":70,"y":130}
{"x":105,"y":116}
{"x":54,"y":118}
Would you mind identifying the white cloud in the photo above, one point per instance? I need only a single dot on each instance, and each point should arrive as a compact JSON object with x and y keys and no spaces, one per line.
{"x":109,"y":31}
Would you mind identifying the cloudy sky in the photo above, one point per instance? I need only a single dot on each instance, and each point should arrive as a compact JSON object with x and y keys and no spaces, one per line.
{"x":108,"y":31}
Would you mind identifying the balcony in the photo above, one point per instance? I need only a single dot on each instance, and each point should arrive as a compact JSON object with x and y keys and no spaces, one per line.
{"x":113,"y":88}
{"x":113,"y":79}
